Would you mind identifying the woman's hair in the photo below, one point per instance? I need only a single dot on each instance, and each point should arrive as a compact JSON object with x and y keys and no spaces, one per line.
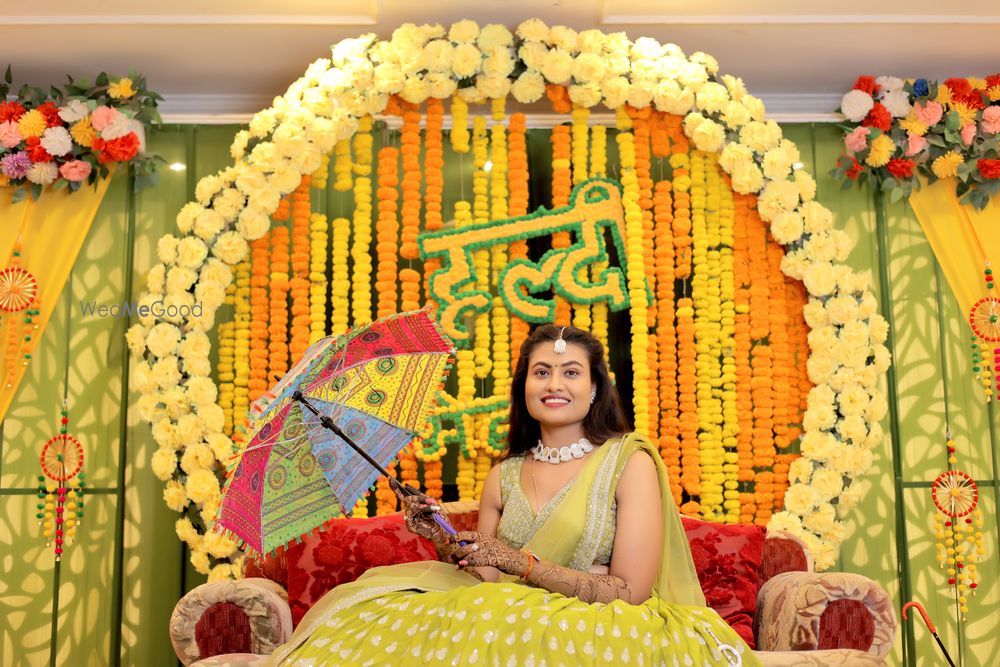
{"x":606,"y":418}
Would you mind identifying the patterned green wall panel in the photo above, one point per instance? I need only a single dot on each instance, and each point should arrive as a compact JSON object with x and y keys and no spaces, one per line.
{"x":26,"y":585}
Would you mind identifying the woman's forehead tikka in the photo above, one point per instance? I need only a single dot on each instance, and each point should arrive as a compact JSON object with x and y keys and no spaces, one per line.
{"x":559,"y":346}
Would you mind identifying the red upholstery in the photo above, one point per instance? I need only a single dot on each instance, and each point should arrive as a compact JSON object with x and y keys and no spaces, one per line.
{"x":846,"y":624}
{"x":727,"y":559}
{"x":782,"y":556}
{"x":223,"y":628}
{"x":343,"y":551}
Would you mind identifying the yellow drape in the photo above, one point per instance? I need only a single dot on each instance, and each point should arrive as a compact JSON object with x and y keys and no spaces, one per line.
{"x":962,"y":238}
{"x":52,"y":230}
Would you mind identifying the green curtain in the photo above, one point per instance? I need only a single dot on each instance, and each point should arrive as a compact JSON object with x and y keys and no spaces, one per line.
{"x":110,"y":599}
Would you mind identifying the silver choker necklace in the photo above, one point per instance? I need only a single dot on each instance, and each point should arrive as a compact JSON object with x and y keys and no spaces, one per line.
{"x":554,"y":455}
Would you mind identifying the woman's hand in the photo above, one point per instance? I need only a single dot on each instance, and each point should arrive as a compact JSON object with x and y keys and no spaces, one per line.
{"x":482,"y":550}
{"x":419,"y":511}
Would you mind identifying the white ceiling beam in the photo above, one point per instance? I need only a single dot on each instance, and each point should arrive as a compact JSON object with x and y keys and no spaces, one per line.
{"x":194,"y":19}
{"x":799,"y":19}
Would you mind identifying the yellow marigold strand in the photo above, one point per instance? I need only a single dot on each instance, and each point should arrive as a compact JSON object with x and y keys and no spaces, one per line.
{"x":342,"y":165}
{"x":340,"y":285}
{"x":361,"y":288}
{"x":387,"y":231}
{"x":299,"y":283}
{"x":518,"y":186}
{"x":741,"y":350}
{"x":635,"y":273}
{"x":278,"y":314}
{"x":481,"y":258}
{"x":259,"y":335}
{"x":562,"y":185}
{"x":241,"y":345}
{"x":319,"y":303}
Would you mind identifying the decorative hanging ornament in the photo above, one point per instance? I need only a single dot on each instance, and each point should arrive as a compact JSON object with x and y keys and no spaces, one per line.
{"x":984,"y":318}
{"x":61,"y":488}
{"x":958,"y":527}
{"x":18,"y":293}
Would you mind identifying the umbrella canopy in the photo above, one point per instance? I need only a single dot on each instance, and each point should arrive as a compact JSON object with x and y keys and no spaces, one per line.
{"x":377,"y":384}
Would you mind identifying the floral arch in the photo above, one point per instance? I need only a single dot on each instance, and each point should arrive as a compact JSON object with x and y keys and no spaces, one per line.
{"x":467,"y":63}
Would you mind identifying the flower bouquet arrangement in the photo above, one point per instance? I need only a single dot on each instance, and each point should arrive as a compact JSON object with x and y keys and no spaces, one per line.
{"x":75,"y":134}
{"x":900,"y":132}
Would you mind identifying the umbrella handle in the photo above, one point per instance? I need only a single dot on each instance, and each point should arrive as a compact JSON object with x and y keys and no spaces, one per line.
{"x":919,"y":607}
{"x":440,"y":520}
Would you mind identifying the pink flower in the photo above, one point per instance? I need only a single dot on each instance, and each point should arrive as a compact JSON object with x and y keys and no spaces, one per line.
{"x":968,"y":133}
{"x":929,"y":113}
{"x":10,"y":136}
{"x":914,"y":144}
{"x":75,"y":170}
{"x":857,"y":140}
{"x":103,"y":116}
{"x":991,"y":120}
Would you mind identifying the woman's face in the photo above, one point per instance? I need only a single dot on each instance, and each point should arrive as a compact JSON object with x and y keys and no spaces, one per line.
{"x":558,"y":386}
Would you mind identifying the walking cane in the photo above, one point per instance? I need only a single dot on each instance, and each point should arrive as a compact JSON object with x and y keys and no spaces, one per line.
{"x":930,"y":626}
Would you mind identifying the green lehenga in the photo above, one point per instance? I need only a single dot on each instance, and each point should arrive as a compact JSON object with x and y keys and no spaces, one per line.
{"x":432,"y":613}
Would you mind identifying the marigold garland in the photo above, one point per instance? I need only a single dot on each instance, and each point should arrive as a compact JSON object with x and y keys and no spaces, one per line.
{"x":434,"y":181}
{"x":741,"y":349}
{"x":361,"y":291}
{"x":582,"y":317}
{"x":387,"y":231}
{"x":260,"y":268}
{"x":669,"y":441}
{"x":319,"y":304}
{"x":225,"y":368}
{"x":342,"y":166}
{"x":241,"y":347}
{"x":635,"y":272}
{"x":562,"y":185}
{"x":410,"y":213}
{"x":340,"y":285}
{"x":598,"y":168}
{"x":481,"y":258}
{"x":518,"y":179}
{"x":459,"y":134}
{"x":277,"y":327}
{"x":299,"y":284}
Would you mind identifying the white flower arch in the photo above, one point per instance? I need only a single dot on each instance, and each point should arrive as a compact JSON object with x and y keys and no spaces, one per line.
{"x":288,"y":140}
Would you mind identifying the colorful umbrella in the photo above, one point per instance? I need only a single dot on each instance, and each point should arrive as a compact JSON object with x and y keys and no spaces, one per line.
{"x":375,"y":385}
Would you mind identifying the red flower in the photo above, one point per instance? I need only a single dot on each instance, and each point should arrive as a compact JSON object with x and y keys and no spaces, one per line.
{"x":854,"y":170}
{"x":993,"y":80}
{"x":10,"y":111}
{"x":35,"y":150}
{"x":121,"y":149}
{"x":867,"y":84}
{"x":900,"y":168}
{"x":51,"y":113}
{"x":958,"y":86}
{"x":989,"y":168}
{"x":878,"y":117}
{"x":961,"y":91}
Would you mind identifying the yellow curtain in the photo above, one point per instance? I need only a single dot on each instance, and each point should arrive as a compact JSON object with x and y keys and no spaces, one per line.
{"x":52,"y":230}
{"x":962,"y":238}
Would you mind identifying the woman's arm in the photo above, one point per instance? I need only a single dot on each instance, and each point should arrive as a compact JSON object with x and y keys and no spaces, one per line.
{"x":635,"y":557}
{"x":490,"y":509}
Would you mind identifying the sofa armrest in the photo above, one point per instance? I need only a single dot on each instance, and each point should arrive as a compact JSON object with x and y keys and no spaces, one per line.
{"x":243,"y":616}
{"x":802,"y":611}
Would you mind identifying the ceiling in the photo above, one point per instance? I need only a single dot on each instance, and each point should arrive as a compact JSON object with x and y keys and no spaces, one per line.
{"x":222,"y":60}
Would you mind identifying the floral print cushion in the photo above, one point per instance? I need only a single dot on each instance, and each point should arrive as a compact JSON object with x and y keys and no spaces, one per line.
{"x":727,"y":559}
{"x":343,"y":550}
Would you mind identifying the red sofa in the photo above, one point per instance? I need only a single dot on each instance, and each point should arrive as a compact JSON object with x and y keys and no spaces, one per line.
{"x":763,"y":586}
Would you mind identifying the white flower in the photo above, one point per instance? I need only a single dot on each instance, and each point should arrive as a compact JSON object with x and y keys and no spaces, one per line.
{"x":590,"y":41}
{"x":712,"y":97}
{"x":162,"y":340}
{"x":800,"y":470}
{"x":179,"y":279}
{"x":586,"y":95}
{"x":57,"y":141}
{"x":415,"y":90}
{"x":532,"y":54}
{"x":615,"y":90}
{"x":786,"y":521}
{"x":800,"y":498}
{"x":820,"y":279}
{"x":705,"y":59}
{"x":164,"y":463}
{"x":818,"y":445}
{"x":563,"y":38}
{"x":735,"y":115}
{"x":787,"y":227}
{"x":878,"y":328}
{"x":195,"y":344}
{"x":464,"y":31}
{"x":889,"y":83}
{"x":494,"y":35}
{"x":588,"y":67}
{"x":794,"y":264}
{"x":646,"y":48}
{"x":747,"y":178}
{"x":230,"y":247}
{"x":191,"y":252}
{"x":820,"y":247}
{"x":43,"y":173}
{"x":897,"y":103}
{"x":208,"y":223}
{"x":529,"y":87}
{"x":389,"y":78}
{"x":760,"y":136}
{"x":466,"y":61}
{"x":856,"y":104}
{"x":73,"y":111}
{"x":737,"y":89}
{"x":498,"y":63}
{"x":816,"y":216}
{"x":853,"y":400}
{"x":533,"y":30}
{"x":815,"y":314}
{"x":493,"y":87}
{"x":440,"y":85}
{"x":253,"y":223}
{"x":777,"y":196}
{"x":189,"y":430}
{"x":557,"y":66}
{"x":672,"y":98}
{"x":640,"y":93}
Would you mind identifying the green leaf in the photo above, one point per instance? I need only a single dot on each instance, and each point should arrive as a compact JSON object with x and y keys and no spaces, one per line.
{"x":952,"y":121}
{"x":102,"y":79}
{"x":896,"y":195}
{"x":19,"y":195}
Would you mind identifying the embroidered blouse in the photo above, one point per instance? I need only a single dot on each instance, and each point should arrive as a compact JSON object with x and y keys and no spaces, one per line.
{"x":519,"y":523}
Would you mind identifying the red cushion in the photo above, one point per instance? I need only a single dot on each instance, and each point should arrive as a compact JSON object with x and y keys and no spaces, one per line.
{"x":343,"y":550}
{"x":727,"y":558}
{"x":223,"y":628}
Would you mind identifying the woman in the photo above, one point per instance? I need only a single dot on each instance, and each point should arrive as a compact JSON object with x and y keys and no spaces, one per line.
{"x":579,"y":557}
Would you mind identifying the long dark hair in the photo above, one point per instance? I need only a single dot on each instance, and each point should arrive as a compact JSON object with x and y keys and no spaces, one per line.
{"x":606,"y":418}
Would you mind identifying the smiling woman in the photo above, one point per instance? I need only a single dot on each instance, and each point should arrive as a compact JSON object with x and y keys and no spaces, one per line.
{"x":596,"y":550}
